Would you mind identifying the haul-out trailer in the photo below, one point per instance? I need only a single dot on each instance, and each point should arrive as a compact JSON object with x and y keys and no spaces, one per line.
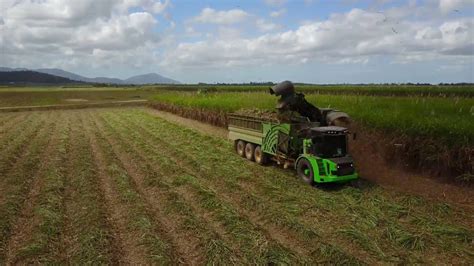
{"x":317,"y":149}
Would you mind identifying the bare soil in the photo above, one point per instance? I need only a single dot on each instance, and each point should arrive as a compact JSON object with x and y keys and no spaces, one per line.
{"x":76,"y":100}
{"x":372,"y":166}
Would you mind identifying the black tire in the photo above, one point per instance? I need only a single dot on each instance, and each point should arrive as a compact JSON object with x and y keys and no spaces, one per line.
{"x":305,"y":171}
{"x":240,"y":148}
{"x":249,"y":151}
{"x":260,"y":157}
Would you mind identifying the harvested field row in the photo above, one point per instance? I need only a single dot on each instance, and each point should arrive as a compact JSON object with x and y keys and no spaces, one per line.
{"x":74,"y":106}
{"x":124,"y":186}
{"x":206,"y":157}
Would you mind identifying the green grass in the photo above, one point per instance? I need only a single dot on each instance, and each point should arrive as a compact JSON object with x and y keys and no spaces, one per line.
{"x":360,"y":218}
{"x":138,"y":215}
{"x":84,"y":203}
{"x":169,"y":177}
{"x":175,"y":184}
{"x":53,"y":96}
{"x":361,"y":89}
{"x":370,"y":89}
{"x":449,"y":119}
{"x":446,"y":118}
{"x":16,"y":182}
{"x":49,"y":209}
{"x":251,"y":240}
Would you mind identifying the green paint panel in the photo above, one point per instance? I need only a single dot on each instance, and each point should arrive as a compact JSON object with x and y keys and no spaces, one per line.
{"x":278,"y":138}
{"x":273,"y":134}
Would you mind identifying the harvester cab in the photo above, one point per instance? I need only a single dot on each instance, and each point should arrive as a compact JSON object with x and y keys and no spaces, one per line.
{"x":328,"y":142}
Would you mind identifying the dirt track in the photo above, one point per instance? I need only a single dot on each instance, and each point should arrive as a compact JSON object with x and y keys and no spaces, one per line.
{"x":371,"y":167}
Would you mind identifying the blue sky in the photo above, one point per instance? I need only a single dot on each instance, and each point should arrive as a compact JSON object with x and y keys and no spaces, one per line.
{"x":316,"y":41}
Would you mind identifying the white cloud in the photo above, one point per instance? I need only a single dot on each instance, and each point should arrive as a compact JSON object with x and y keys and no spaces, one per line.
{"x":275,"y":2}
{"x":278,"y":13}
{"x":59,"y":13}
{"x":264,"y":25}
{"x":152,"y":6}
{"x":228,"y":33}
{"x":126,"y":34}
{"x":209,"y":15}
{"x":86,"y":32}
{"x":159,"y":7}
{"x":352,"y":37}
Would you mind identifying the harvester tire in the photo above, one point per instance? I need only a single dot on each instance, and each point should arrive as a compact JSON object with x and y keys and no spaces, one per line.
{"x":249,"y":151}
{"x":305,"y":171}
{"x":260,"y":157}
{"x":240,"y":147}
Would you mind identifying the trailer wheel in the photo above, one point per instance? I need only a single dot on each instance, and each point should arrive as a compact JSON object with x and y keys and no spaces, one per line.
{"x":260,"y":157}
{"x":249,"y":151}
{"x":240,"y":147}
{"x":305,"y":171}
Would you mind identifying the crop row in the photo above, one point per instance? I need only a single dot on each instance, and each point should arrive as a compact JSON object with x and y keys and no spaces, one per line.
{"x":123,"y":186}
{"x":370,"y":89}
{"x":447,"y":119}
{"x":283,"y":206}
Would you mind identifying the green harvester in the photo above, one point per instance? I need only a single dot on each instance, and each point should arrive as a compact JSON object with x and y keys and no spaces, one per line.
{"x":312,"y":144}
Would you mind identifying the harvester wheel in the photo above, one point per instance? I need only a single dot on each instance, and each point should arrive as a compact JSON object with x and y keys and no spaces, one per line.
{"x":249,"y":151}
{"x":260,"y":157}
{"x":305,"y":171}
{"x":240,"y":148}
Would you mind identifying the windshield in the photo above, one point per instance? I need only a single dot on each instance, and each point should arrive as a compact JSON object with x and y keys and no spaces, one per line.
{"x":329,"y":146}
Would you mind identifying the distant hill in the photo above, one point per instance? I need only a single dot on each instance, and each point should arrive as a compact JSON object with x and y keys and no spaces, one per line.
{"x":151,"y":78}
{"x":70,"y":75}
{"x":61,"y":73}
{"x":7,"y":69}
{"x":31,"y":77}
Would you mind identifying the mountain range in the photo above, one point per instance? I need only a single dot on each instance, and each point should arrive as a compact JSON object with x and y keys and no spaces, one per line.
{"x":151,"y":78}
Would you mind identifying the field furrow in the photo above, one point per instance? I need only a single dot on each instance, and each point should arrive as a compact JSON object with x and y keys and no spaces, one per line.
{"x":362,"y":206}
{"x":216,"y":197}
{"x":40,"y":217}
{"x":16,"y":151}
{"x":173,"y":213}
{"x":254,"y":242}
{"x":123,"y":186}
{"x":224,"y":186}
{"x":9,"y":121}
{"x":85,"y":236}
{"x":136,"y":235}
{"x":14,"y":144}
{"x":18,"y":183}
{"x":368,"y":208}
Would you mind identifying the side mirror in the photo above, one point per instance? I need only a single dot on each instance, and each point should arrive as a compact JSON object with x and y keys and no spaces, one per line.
{"x":354,"y":136}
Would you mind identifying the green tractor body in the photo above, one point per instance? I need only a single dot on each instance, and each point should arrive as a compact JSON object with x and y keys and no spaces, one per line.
{"x":318,"y":153}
